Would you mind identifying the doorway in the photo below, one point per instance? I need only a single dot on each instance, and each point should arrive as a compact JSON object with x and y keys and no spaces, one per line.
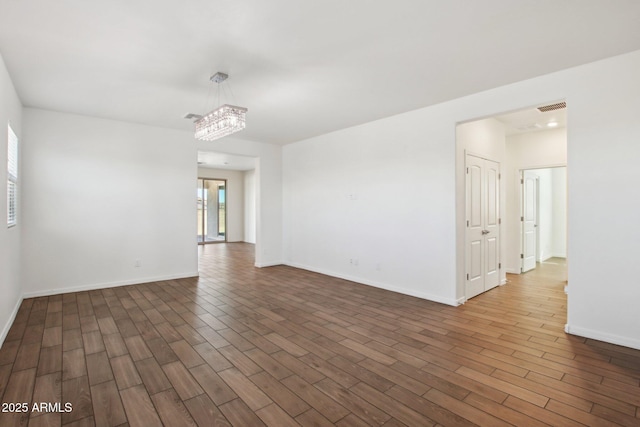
{"x":212,"y":210}
{"x":532,"y":138}
{"x":544,"y":216}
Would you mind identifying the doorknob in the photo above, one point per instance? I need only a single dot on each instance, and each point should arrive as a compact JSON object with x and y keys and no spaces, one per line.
{"x":485,"y":231}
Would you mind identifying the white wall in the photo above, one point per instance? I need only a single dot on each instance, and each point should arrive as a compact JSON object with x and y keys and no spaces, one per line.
{"x":250,"y":206}
{"x":532,"y":150}
{"x":99,"y":195}
{"x":370,"y":202}
{"x":10,"y":288}
{"x":235,"y":200}
{"x":559,"y":244}
{"x":401,"y":172}
{"x":604,"y":131}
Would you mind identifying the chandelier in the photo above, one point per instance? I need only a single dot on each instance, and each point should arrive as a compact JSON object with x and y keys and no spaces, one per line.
{"x":222,"y":121}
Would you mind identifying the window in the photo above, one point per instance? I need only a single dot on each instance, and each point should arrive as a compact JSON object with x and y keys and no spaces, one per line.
{"x":12,"y":178}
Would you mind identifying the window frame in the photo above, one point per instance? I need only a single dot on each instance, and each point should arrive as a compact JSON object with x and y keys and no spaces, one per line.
{"x":12,"y":177}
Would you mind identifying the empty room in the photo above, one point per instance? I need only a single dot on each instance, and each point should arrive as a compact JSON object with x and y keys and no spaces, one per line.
{"x":291,"y":213}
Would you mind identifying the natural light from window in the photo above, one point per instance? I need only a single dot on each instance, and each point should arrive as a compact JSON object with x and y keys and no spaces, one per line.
{"x":12,"y":178}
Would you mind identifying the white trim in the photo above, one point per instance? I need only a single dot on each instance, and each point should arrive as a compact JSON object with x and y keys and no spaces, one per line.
{"x":96,"y":286}
{"x":404,"y":291}
{"x":547,"y":166}
{"x":512,"y":271}
{"x":12,"y":318}
{"x":602,"y":336}
{"x":461,"y":301}
{"x":503,"y":282}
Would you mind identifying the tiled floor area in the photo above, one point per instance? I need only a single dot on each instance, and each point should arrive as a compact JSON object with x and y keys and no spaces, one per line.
{"x":280,"y":346}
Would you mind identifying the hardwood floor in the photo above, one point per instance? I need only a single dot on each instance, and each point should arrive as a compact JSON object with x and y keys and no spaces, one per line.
{"x":279,"y":346}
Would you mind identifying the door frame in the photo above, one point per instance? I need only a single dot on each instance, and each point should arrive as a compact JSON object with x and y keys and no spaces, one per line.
{"x":226,"y":193}
{"x":521,"y":190}
{"x":510,"y":169}
{"x":521,"y":195}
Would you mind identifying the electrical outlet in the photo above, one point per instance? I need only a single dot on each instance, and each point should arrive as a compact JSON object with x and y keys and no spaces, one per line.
{"x":137,"y":264}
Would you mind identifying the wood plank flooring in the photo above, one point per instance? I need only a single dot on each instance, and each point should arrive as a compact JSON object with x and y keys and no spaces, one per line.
{"x":279,"y":346}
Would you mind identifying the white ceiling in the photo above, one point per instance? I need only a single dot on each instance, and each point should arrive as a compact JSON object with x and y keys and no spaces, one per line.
{"x":532,"y":120}
{"x":208,"y":159}
{"x":302,"y":68}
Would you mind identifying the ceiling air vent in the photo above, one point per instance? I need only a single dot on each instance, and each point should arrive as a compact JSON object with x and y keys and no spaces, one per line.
{"x":552,"y":107}
{"x":192,"y":116}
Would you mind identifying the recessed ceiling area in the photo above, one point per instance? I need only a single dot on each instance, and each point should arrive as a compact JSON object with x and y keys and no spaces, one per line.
{"x":207,"y":159}
{"x":532,"y":120}
{"x":301,"y":68}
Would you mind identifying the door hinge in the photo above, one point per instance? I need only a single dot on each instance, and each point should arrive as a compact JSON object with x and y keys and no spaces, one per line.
{"x":467,"y":170}
{"x":521,"y":218}
{"x":522,"y":181}
{"x":499,"y":220}
{"x":499,"y":266}
{"x":499,"y":176}
{"x":467,"y":223}
{"x":467,"y":276}
{"x":521,"y":256}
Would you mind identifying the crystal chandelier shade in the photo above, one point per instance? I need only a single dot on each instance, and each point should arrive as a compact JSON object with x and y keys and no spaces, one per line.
{"x":222,"y":121}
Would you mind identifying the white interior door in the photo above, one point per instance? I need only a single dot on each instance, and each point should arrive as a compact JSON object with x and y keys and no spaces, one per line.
{"x":483,"y":225}
{"x":492,"y":225}
{"x":475,"y":227}
{"x":529,"y":219}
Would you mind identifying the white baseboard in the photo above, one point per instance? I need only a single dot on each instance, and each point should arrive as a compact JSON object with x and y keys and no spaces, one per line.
{"x":461,"y":301}
{"x":512,"y":271}
{"x":562,"y":255}
{"x":268,"y":264}
{"x":602,"y":336}
{"x":12,"y":317}
{"x":95,"y":286}
{"x":404,"y":291}
{"x":544,"y":258}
